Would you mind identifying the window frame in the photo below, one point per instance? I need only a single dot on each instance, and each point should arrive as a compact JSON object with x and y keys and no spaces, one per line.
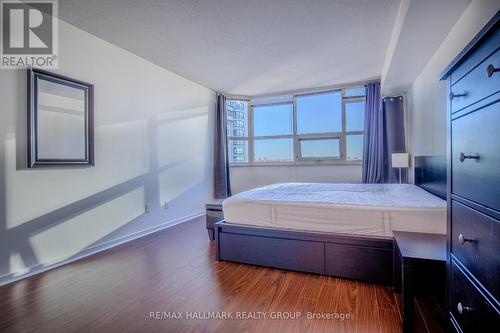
{"x":297,"y":158}
{"x":252,"y":137}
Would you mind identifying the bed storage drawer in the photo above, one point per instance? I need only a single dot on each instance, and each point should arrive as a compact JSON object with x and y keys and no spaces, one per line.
{"x":351,"y":257}
{"x":475,"y":158}
{"x":475,"y":241}
{"x":471,"y":310}
{"x":476,"y":85}
{"x":297,"y":255}
{"x":346,"y":261}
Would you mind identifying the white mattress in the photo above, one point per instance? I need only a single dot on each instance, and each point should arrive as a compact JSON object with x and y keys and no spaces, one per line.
{"x":358,"y":209}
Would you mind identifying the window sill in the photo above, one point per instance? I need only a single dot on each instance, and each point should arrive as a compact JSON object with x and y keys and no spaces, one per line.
{"x":297,"y":163}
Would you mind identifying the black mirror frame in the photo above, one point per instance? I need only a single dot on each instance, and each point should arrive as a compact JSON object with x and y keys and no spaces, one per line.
{"x":33,"y":160}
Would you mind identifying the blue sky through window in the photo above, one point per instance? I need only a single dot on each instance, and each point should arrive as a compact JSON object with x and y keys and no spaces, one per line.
{"x":273,"y":119}
{"x":355,"y":92}
{"x":355,"y":116}
{"x":320,"y":148}
{"x":354,"y":147}
{"x":273,"y":150}
{"x":319,"y":113}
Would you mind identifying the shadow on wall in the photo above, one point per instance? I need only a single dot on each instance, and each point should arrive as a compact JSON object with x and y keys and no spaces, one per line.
{"x":113,"y":213}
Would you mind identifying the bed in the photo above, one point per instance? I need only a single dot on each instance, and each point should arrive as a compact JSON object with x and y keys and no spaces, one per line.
{"x":343,"y":230}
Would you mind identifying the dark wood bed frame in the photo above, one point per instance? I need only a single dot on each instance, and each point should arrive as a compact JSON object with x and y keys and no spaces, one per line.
{"x":354,"y":257}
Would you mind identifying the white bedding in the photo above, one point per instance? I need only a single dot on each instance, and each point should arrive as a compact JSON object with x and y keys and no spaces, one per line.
{"x":359,"y":209}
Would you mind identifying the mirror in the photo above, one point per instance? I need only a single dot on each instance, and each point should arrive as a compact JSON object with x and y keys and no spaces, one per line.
{"x":60,"y":120}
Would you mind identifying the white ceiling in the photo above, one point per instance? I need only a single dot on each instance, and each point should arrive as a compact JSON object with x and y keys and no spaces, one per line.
{"x":421,"y":26}
{"x":247,"y":47}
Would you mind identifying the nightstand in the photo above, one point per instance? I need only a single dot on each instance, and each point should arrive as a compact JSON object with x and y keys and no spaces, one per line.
{"x":419,"y":270}
{"x":213,"y":214}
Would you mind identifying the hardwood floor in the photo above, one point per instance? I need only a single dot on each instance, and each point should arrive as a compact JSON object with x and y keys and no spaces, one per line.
{"x":174,"y":271}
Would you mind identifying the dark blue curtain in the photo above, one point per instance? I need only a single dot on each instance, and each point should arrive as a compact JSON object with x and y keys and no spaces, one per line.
{"x":384,"y":135}
{"x":394,"y":138}
{"x":373,"y":151}
{"x":222,"y":184}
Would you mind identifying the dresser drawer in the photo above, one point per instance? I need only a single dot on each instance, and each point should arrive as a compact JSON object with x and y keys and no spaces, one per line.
{"x":469,"y":308}
{"x":475,"y":241}
{"x":477,"y":135}
{"x":476,"y":85}
{"x":487,"y":47}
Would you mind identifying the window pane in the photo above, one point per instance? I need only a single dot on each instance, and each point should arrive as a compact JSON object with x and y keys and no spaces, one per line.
{"x":273,"y":150}
{"x":273,"y":119}
{"x":238,"y":151}
{"x":319,"y":113}
{"x":238,"y":142}
{"x":354,"y":92}
{"x":354,"y":147}
{"x":320,"y":148}
{"x":355,"y":116}
{"x":237,"y":132}
{"x":237,"y":118}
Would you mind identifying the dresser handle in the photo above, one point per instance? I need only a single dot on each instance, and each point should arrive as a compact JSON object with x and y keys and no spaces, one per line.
{"x":462,"y":240}
{"x":464,"y":157}
{"x":461,"y":309}
{"x":452,"y":95}
{"x":490,"y":70}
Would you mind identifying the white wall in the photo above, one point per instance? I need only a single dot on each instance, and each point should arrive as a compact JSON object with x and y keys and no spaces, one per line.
{"x":153,"y":143}
{"x":248,"y":177}
{"x":427,"y":96}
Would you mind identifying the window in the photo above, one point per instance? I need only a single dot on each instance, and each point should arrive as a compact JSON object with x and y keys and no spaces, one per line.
{"x":355,"y":124}
{"x":320,"y":148}
{"x":355,"y":116}
{"x":273,"y":150}
{"x":325,"y":126}
{"x":238,"y":143}
{"x":319,"y":113}
{"x":236,"y":105}
{"x":238,"y":153}
{"x":354,"y":147}
{"x":354,"y":92}
{"x":273,"y":132}
{"x":237,"y":130}
{"x":274,"y":119}
{"x":238,"y":150}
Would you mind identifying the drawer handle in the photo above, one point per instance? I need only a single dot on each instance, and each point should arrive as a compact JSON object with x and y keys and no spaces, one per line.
{"x":461,"y":309}
{"x":490,"y":70}
{"x":464,"y":157}
{"x":462,"y":240}
{"x":452,"y":95}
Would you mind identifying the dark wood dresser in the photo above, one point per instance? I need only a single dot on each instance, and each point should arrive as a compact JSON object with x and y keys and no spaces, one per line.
{"x":473,"y":262}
